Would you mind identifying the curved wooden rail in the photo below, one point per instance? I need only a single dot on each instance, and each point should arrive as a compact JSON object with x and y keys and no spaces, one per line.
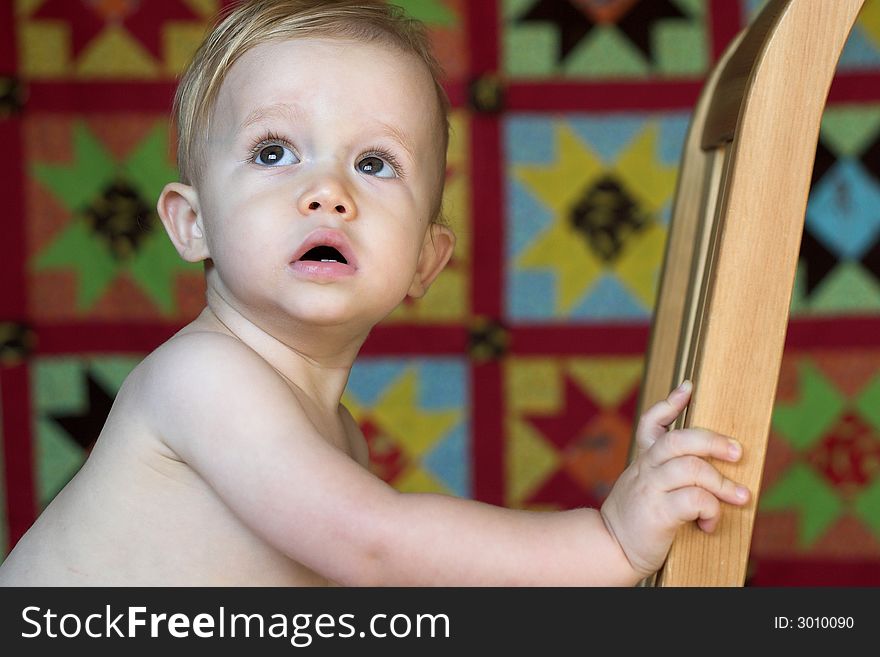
{"x":725,"y":290}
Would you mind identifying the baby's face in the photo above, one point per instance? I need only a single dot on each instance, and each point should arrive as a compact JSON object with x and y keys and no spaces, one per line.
{"x":320,"y":142}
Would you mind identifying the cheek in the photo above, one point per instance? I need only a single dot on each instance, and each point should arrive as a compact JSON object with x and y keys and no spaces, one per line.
{"x":242,"y":240}
{"x":236,"y":211}
{"x":403,"y":255}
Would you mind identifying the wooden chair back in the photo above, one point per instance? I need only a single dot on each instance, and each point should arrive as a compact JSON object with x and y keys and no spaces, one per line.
{"x":726,"y":283}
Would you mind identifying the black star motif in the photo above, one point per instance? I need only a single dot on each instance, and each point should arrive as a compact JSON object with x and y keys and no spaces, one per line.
{"x":871,"y":158}
{"x":639,"y":22}
{"x":825,"y":159}
{"x":871,"y":260}
{"x":816,"y":259}
{"x":814,"y":256}
{"x":573,"y":24}
{"x":84,"y":428}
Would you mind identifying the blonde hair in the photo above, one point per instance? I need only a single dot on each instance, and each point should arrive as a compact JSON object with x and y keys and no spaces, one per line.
{"x":255,"y":22}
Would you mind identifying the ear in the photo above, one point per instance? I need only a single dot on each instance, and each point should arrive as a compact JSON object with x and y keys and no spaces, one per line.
{"x":436,"y":251}
{"x":178,"y":207}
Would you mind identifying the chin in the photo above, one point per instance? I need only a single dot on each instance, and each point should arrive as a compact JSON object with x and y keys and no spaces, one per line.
{"x":322,"y":314}
{"x":327,"y":309}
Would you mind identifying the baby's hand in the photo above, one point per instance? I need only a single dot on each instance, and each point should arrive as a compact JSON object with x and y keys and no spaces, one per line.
{"x":669,"y":484}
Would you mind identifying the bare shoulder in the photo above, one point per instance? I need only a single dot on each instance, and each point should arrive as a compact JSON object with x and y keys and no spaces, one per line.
{"x":204,"y":373}
{"x":202,"y":347}
{"x":205,"y":362}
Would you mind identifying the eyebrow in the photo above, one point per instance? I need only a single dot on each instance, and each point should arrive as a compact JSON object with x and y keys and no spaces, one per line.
{"x":281,"y":110}
{"x":292,"y":112}
{"x":400,"y":137}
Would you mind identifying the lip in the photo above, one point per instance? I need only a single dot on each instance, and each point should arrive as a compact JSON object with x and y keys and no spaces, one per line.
{"x":328,"y":270}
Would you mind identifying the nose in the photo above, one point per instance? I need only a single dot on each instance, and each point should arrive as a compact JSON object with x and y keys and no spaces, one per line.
{"x":327,"y":194}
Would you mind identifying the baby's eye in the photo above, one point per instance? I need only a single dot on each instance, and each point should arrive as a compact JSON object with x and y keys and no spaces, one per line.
{"x":373,"y":165}
{"x":274,"y":155}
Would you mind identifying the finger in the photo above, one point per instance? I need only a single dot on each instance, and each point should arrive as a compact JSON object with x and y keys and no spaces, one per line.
{"x":693,"y":503}
{"x":689,"y":471}
{"x":657,"y":419}
{"x":696,"y":442}
{"x":708,"y":525}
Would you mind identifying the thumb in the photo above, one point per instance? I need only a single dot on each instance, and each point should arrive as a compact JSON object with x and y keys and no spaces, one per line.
{"x":656,"y":420}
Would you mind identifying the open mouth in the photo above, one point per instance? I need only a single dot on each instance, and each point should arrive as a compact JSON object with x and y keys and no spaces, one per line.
{"x":324,"y":254}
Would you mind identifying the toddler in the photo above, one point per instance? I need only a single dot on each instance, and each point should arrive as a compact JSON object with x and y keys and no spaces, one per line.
{"x":312,"y":141}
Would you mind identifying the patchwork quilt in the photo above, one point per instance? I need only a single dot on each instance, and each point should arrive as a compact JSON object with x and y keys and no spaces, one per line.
{"x":515,"y":380}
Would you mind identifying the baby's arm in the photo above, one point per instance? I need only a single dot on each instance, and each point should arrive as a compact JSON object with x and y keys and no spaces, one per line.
{"x":254,"y":445}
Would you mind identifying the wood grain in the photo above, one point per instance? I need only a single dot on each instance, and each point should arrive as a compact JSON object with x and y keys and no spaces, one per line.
{"x":727,"y":280}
